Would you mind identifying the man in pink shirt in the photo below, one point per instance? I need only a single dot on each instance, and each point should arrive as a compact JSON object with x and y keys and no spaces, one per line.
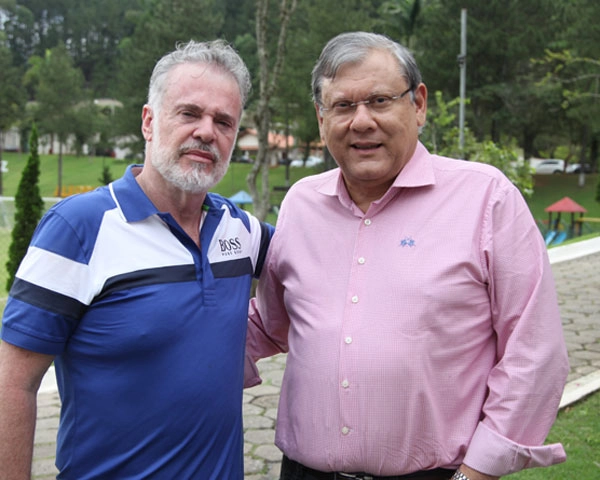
{"x":413,"y":293}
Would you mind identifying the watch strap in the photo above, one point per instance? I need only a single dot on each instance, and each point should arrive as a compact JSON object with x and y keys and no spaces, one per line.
{"x":458,"y":475}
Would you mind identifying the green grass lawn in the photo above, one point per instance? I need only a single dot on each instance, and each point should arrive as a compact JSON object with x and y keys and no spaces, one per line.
{"x":76,"y":171}
{"x":88,"y":170}
{"x":578,"y":429}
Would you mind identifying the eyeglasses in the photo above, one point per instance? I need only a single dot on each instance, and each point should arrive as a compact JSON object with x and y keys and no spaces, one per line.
{"x":375,"y":103}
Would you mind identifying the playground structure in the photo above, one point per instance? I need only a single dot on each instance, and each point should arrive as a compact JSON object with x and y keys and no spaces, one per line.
{"x":557,"y":233}
{"x":241,"y":199}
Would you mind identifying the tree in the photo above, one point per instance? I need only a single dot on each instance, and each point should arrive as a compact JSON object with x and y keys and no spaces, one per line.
{"x":310,"y":29}
{"x":239,"y":21}
{"x":91,"y":29}
{"x":159,"y":26}
{"x":502,"y":37}
{"x":87,"y":121}
{"x":19,"y":29}
{"x":58,"y":94}
{"x":7,"y":4}
{"x":440,"y":136}
{"x":29,"y":207}
{"x":400,"y":18}
{"x":268,"y":78}
{"x":11,"y":98}
{"x":106,"y":177}
{"x":574,"y":67}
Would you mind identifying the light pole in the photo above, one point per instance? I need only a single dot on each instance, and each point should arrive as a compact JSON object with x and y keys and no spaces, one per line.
{"x":462,"y":62}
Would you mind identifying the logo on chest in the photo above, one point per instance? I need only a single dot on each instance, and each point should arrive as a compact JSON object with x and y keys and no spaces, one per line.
{"x":230,"y":246}
{"x":407,"y":242}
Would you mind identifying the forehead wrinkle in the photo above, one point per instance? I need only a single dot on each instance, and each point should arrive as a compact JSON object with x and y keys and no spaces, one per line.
{"x":175,"y":78}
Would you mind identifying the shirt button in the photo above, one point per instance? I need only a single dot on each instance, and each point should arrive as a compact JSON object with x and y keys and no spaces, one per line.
{"x":345,"y":430}
{"x":348,"y":340}
{"x":345,"y":383}
{"x":367,"y":221}
{"x":355,"y":299}
{"x":361,"y":260}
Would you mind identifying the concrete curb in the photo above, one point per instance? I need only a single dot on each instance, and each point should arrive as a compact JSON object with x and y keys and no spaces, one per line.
{"x":574,"y":250}
{"x":580,"y":388}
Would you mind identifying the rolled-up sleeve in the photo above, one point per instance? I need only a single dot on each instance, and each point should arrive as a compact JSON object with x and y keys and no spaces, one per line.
{"x":508,"y":456}
{"x":526,"y":383}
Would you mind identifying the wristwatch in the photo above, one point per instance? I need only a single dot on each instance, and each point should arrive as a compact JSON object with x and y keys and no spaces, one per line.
{"x":459,"y":476}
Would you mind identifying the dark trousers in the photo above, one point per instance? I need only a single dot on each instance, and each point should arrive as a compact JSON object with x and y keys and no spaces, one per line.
{"x":291,"y":470}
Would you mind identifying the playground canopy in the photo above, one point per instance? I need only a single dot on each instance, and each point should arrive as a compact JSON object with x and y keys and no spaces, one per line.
{"x":241,"y":198}
{"x":564,"y":205}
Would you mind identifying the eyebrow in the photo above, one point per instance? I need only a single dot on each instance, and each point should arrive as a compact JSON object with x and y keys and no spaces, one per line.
{"x":219,"y":115}
{"x":373,"y":93}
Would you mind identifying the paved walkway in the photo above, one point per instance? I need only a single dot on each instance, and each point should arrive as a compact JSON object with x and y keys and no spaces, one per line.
{"x":578,"y":283}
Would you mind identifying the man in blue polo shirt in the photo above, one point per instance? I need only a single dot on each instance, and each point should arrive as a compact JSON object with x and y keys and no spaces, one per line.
{"x":139,"y":292}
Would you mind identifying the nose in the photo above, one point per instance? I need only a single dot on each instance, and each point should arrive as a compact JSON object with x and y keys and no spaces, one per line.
{"x":204,"y":129}
{"x":362,"y":118}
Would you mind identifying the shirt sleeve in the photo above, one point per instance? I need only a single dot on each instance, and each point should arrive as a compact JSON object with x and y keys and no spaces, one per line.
{"x":46,"y":300}
{"x":526,"y":383}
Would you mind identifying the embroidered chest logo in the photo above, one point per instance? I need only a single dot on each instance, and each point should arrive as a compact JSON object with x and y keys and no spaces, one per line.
{"x":408,"y":242}
{"x":230,"y":246}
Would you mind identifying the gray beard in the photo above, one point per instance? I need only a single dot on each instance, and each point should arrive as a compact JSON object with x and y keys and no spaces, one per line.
{"x":195,"y":179}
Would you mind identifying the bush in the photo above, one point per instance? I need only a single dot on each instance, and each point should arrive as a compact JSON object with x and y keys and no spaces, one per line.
{"x":29,"y":207}
{"x":441,"y":136}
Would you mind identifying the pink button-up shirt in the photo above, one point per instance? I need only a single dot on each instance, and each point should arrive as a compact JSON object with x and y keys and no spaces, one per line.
{"x":423,"y":333}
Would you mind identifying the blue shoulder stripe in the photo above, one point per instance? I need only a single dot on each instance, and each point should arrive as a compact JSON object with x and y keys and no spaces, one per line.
{"x":47,"y":299}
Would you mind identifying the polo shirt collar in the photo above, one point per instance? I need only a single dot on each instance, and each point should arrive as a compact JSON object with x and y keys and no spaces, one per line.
{"x":130,"y":198}
{"x":135,"y":204}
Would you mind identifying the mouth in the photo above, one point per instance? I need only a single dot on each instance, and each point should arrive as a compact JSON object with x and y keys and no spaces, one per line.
{"x":366,"y":146}
{"x":199,"y":155}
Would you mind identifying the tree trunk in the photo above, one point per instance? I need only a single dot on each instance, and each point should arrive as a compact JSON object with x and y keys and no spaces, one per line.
{"x":594,"y":153}
{"x":1,"y":153}
{"x":59,"y":188}
{"x":268,"y":77}
{"x":261,"y":164}
{"x":528,"y":145}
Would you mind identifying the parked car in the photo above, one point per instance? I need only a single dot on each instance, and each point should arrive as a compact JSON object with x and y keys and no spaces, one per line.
{"x":311,"y":161}
{"x":245,"y":158}
{"x":577,"y":168}
{"x":550,"y":166}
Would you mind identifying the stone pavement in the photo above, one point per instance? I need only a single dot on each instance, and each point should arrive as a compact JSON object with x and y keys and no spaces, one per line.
{"x":578,"y":284}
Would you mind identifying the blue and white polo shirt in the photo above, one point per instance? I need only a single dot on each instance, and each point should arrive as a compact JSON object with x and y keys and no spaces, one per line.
{"x":148,"y":332}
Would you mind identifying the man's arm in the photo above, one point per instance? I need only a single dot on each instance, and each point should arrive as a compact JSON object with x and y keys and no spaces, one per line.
{"x":21,"y":373}
{"x":526,"y":383}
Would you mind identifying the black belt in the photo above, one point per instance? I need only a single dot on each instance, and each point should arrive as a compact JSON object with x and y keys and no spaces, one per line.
{"x":311,"y":474}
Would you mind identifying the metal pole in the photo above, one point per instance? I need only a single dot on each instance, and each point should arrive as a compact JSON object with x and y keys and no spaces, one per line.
{"x":462,"y":61}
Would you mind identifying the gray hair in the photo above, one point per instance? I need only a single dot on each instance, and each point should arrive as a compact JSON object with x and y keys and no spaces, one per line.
{"x":353,"y":47}
{"x":216,"y":52}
